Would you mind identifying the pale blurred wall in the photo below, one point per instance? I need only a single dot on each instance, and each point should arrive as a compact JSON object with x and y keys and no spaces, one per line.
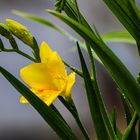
{"x":19,"y":121}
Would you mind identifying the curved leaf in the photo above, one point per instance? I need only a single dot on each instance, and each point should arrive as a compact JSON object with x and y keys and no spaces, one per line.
{"x":96,"y":114}
{"x":118,"y":36}
{"x":128,"y":14}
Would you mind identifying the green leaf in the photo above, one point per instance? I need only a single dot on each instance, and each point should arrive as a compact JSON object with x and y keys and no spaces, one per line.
{"x":96,"y":114}
{"x":69,"y":104}
{"x":118,"y":71}
{"x":100,"y":102}
{"x":45,"y":22}
{"x":71,"y":10}
{"x":114,"y":37}
{"x":59,"y":5}
{"x":50,"y":116}
{"x":128,"y":110}
{"x":99,"y":99}
{"x":128,"y":14}
{"x":119,"y":134}
{"x":118,"y":36}
{"x":114,"y":124}
{"x":139,"y":130}
{"x":53,"y":26}
{"x":130,"y":128}
{"x":113,"y":119}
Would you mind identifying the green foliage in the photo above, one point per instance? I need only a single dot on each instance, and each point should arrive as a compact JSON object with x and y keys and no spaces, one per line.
{"x":131,"y":127}
{"x":68,"y":12}
{"x":49,"y":24}
{"x":118,"y":36}
{"x":118,"y":71}
{"x":128,"y":14}
{"x":128,"y":115}
{"x":100,"y":128}
{"x":59,"y":5}
{"x":72,"y":108}
{"x":54,"y":27}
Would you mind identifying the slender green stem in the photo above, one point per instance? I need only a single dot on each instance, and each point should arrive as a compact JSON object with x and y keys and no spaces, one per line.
{"x":71,"y":107}
{"x":25,"y":55}
{"x":73,"y":69}
{"x":130,"y":126}
{"x":13,"y":43}
{"x":20,"y":52}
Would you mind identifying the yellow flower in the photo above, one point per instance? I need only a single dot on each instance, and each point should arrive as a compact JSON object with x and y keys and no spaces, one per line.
{"x":48,"y":79}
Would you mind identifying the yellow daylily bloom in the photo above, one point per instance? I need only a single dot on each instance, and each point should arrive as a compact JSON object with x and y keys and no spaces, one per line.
{"x":48,"y":79}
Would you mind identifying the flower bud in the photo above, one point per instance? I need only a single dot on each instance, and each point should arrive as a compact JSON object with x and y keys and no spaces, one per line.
{"x":20,"y":31}
{"x":4,"y":31}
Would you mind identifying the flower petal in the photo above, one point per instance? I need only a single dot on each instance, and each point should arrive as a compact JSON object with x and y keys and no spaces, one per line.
{"x":52,"y":59}
{"x":45,"y":52}
{"x":51,"y":75}
{"x":38,"y":77}
{"x":56,"y":66}
{"x":48,"y":96}
{"x":23,"y":100}
{"x":70,"y":83}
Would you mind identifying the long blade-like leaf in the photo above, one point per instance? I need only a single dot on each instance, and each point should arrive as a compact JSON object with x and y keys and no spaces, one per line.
{"x":96,"y":114}
{"x":50,"y":116}
{"x":128,"y":116}
{"x":128,"y":14}
{"x":119,"y":72}
{"x":129,"y":130}
{"x":118,"y":36}
{"x":100,"y":102}
{"x":44,"y":22}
